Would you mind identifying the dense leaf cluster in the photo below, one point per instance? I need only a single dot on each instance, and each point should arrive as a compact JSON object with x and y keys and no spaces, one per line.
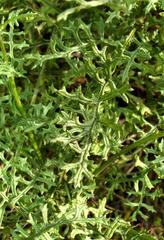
{"x":81,"y":119}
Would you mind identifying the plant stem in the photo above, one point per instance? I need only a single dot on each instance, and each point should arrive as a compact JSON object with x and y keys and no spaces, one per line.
{"x":14,"y":93}
{"x":151,"y":137}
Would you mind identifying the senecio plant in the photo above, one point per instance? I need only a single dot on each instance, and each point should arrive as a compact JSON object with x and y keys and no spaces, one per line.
{"x":81,"y":119}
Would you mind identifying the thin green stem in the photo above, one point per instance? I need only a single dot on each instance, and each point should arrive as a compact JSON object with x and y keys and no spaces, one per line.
{"x":14,"y":93}
{"x":16,"y":97}
{"x":149,"y":138}
{"x":4,"y":54}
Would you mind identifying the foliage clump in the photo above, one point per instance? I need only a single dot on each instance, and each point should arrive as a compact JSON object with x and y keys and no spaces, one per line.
{"x":81,"y":119}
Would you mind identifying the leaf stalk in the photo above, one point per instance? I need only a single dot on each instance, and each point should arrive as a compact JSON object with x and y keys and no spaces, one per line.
{"x":19,"y":105}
